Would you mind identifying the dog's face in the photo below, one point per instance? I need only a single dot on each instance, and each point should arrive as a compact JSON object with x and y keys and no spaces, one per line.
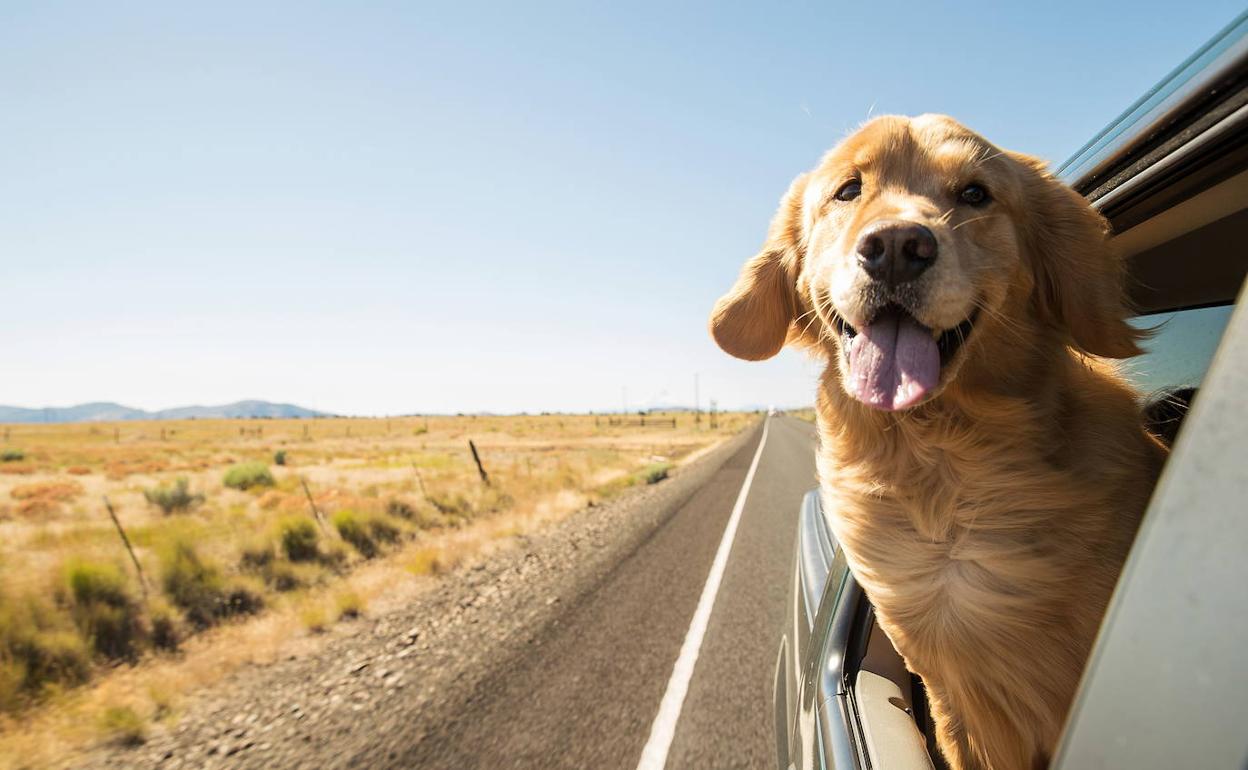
{"x":916,"y":245}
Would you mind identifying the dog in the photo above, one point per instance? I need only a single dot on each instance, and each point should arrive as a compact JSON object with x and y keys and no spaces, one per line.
{"x":982,"y":464}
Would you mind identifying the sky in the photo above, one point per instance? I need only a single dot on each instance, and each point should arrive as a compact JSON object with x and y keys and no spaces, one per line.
{"x":387,"y":208}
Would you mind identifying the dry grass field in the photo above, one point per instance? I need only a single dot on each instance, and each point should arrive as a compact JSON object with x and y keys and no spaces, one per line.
{"x":229,"y":537}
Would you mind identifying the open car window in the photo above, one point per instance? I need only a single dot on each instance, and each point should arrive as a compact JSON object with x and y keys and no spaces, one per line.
{"x":1182,"y":346}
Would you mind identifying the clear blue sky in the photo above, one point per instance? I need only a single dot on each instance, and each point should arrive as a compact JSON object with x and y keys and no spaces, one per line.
{"x":377,"y":208}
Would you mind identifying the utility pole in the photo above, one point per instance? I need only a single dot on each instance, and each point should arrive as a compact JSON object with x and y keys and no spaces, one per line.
{"x":624,"y":391}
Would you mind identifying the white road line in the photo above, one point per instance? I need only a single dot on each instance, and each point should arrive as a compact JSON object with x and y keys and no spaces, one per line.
{"x":654,"y":755}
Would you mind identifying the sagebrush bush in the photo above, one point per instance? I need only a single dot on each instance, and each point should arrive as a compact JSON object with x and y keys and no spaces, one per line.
{"x":283,"y":576}
{"x":656,"y":472}
{"x":279,"y":457}
{"x":383,"y":529}
{"x":401,"y":508}
{"x":38,"y":649}
{"x":103,"y":609}
{"x":175,"y":498}
{"x":12,"y":456}
{"x":197,"y":587}
{"x":166,"y":632}
{"x":256,"y":555}
{"x":246,"y":476}
{"x":355,"y":531}
{"x":451,"y":504}
{"x":299,"y":538}
{"x":424,"y":519}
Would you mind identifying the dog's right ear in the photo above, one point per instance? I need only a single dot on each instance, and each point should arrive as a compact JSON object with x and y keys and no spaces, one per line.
{"x":752,"y":320}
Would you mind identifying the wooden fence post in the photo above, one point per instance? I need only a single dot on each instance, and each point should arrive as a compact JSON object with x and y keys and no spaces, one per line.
{"x":316,"y":512}
{"x":126,"y":542}
{"x":477,"y":458}
{"x":421,"y":480}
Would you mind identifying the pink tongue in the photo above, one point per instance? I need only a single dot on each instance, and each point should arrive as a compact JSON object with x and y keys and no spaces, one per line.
{"x":893,"y":363}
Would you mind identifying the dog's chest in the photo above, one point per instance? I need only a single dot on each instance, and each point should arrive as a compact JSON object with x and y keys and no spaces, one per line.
{"x":938,"y":541}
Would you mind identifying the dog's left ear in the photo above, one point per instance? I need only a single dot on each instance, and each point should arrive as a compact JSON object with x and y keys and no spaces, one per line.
{"x":754,"y":319}
{"x":1079,"y":277}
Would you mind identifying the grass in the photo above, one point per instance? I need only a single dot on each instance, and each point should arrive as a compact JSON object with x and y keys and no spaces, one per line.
{"x":174,"y":498}
{"x":246,"y":476}
{"x":314,"y":617}
{"x":349,"y":605}
{"x":122,"y":725}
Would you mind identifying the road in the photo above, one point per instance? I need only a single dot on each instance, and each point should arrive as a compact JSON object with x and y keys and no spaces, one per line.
{"x":587,"y":693}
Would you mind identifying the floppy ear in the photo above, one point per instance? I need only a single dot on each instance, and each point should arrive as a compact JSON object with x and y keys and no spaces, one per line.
{"x":752,"y":321}
{"x":1079,"y":277}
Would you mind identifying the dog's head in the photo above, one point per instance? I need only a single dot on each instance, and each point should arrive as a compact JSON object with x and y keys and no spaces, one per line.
{"x":916,"y":246}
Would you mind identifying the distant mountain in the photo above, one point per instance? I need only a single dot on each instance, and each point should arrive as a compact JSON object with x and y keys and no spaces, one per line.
{"x":104,"y":411}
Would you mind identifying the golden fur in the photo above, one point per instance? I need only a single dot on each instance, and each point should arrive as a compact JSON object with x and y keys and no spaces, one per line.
{"x":989,"y":523}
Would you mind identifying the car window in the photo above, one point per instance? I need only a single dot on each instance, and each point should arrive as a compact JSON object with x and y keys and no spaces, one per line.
{"x":1179,"y":353}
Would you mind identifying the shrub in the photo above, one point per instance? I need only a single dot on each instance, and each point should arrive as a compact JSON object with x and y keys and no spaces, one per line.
{"x":37,"y":650}
{"x":656,"y":472}
{"x":404,"y":510}
{"x":356,"y":532}
{"x":105,"y":613}
{"x":12,"y":456}
{"x":349,"y":605}
{"x":166,"y":633}
{"x":122,"y":725}
{"x":242,"y":599}
{"x":283,"y":577}
{"x":257,"y":555}
{"x":198,"y":589}
{"x":313,"y":617}
{"x":193,"y":585}
{"x":451,"y":505}
{"x":430,"y":560}
{"x":173,"y":499}
{"x":401,"y":508}
{"x":279,"y":457}
{"x":334,"y":556}
{"x":299,"y":538}
{"x":246,"y":476}
{"x":12,"y":684}
{"x":383,"y":530}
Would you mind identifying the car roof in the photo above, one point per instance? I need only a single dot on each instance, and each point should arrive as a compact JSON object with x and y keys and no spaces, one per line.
{"x":1171,"y":175}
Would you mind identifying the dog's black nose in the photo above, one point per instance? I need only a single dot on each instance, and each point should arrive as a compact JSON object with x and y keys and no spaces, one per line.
{"x":893,"y":251}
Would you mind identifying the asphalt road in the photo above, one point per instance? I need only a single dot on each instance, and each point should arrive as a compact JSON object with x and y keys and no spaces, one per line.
{"x":587,"y":691}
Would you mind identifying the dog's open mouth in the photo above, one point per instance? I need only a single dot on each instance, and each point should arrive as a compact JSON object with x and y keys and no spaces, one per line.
{"x":895,"y":361}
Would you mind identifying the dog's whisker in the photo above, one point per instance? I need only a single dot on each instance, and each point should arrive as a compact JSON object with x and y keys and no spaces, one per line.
{"x":972,"y":219}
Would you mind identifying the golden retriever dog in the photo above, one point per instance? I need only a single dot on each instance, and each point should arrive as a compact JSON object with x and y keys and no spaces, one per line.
{"x":982,"y":467}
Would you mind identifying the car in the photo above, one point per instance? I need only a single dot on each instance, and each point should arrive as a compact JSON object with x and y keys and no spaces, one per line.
{"x":1166,"y":685}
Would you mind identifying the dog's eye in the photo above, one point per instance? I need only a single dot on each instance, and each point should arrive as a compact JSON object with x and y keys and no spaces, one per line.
{"x":850,"y":190}
{"x":973,"y":195}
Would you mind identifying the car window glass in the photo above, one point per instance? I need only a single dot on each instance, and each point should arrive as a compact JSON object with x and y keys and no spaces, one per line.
{"x":1179,"y":353}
